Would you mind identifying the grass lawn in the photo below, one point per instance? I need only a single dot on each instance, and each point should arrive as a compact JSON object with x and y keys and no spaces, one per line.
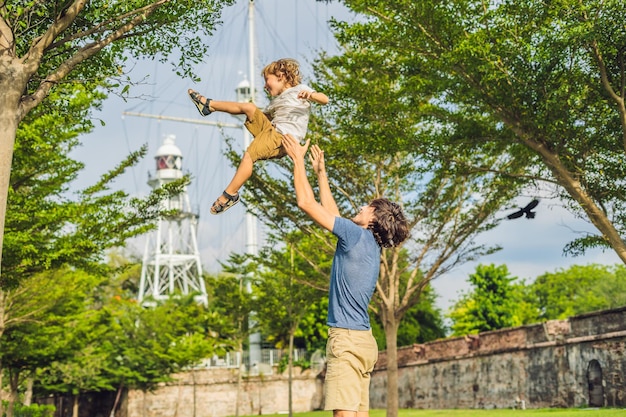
{"x":544,"y":412}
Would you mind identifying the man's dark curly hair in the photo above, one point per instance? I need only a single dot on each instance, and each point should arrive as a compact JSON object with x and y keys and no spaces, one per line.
{"x":390,"y":227}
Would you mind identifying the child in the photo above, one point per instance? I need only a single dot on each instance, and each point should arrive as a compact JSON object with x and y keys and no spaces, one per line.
{"x":287,"y":113}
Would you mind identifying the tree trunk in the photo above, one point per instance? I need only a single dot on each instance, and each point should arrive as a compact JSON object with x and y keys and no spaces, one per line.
{"x":3,"y":303}
{"x":1,"y":390}
{"x":14,"y":378}
{"x":75,"y":405}
{"x":239,"y":378}
{"x":28,"y":394}
{"x":2,"y":308}
{"x":391,"y":338}
{"x":8,"y":130}
{"x":12,"y":84}
{"x":117,"y":399}
{"x":193,"y":379}
{"x":144,"y":405}
{"x":290,"y":366}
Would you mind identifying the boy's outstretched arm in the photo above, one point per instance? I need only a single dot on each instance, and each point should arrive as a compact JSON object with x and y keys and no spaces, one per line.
{"x":304,"y":193}
{"x":314,"y":96}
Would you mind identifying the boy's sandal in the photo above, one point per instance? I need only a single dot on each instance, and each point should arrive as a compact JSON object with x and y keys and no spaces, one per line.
{"x":220,"y":207}
{"x":203,"y":108}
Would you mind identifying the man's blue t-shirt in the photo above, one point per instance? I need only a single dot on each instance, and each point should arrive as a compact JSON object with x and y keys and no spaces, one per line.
{"x":353,"y":276}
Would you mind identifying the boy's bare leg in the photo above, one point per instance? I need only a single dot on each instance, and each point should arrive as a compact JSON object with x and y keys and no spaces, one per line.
{"x":233,"y":107}
{"x":244,"y":171}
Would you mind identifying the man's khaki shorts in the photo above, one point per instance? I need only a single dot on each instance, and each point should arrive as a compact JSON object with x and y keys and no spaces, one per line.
{"x":267,"y":142}
{"x":350,"y":356}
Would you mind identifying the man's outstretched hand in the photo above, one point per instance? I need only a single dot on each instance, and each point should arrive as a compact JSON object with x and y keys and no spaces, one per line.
{"x":316,"y":156}
{"x":293,"y":147}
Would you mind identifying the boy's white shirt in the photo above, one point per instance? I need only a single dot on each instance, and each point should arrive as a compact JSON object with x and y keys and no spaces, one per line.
{"x":290,"y":114}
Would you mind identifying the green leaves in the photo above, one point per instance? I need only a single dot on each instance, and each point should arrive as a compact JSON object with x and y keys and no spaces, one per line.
{"x":152,"y":29}
{"x":578,"y":289}
{"x":58,"y":55}
{"x":49,"y":227}
{"x":290,"y":287}
{"x":231,"y":302}
{"x":494,"y":302}
{"x":528,"y":91}
{"x":124,"y":344}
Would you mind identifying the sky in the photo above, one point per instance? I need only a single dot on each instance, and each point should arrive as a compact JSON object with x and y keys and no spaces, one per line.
{"x":158,"y":106}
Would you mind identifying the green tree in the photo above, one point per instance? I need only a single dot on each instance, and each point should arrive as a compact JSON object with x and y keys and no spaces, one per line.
{"x":539,"y":84}
{"x":128,"y":346}
{"x":231,"y":299}
{"x":292,"y":286}
{"x":47,"y":226}
{"x":494,"y":302}
{"x":46,"y":46}
{"x":70,"y":332}
{"x":44,"y":318}
{"x":284,"y":293}
{"x":312,"y":332}
{"x":422,"y":323}
{"x":578,"y":289}
{"x":613,"y":289}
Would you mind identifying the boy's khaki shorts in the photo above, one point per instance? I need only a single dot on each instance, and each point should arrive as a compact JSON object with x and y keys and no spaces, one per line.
{"x":267,"y":142}
{"x":350,"y":355}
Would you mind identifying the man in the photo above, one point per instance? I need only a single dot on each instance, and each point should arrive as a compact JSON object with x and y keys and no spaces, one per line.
{"x":351,"y":350}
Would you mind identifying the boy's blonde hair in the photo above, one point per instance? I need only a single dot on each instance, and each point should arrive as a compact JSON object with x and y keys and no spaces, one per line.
{"x":287,"y":67}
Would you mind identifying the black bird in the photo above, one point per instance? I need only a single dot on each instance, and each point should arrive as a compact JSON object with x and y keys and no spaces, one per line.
{"x":526,"y":210}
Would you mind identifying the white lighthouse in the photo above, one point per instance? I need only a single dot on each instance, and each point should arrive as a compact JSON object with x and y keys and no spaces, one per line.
{"x":171,"y":262}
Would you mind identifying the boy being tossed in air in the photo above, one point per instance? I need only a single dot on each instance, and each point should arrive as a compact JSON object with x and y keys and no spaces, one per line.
{"x":287,"y":113}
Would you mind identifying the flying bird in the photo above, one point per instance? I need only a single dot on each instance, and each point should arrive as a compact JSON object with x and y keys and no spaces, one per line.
{"x":526,"y":210}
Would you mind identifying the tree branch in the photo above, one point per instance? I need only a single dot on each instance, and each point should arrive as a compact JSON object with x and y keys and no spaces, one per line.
{"x":89,"y":50}
{"x":102,"y":27}
{"x":7,"y":41}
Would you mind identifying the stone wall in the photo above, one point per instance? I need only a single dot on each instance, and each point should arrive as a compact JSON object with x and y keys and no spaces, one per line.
{"x":567,"y":363}
{"x":213,"y":393}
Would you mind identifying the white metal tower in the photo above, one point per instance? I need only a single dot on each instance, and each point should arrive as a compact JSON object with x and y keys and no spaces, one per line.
{"x":171,"y":262}
{"x":246,"y":91}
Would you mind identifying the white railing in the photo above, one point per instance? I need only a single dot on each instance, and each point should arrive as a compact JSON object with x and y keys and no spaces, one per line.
{"x":269,"y":359}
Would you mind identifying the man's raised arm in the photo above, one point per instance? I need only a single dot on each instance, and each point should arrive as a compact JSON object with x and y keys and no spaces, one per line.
{"x":326,"y":197}
{"x":304,"y":193}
